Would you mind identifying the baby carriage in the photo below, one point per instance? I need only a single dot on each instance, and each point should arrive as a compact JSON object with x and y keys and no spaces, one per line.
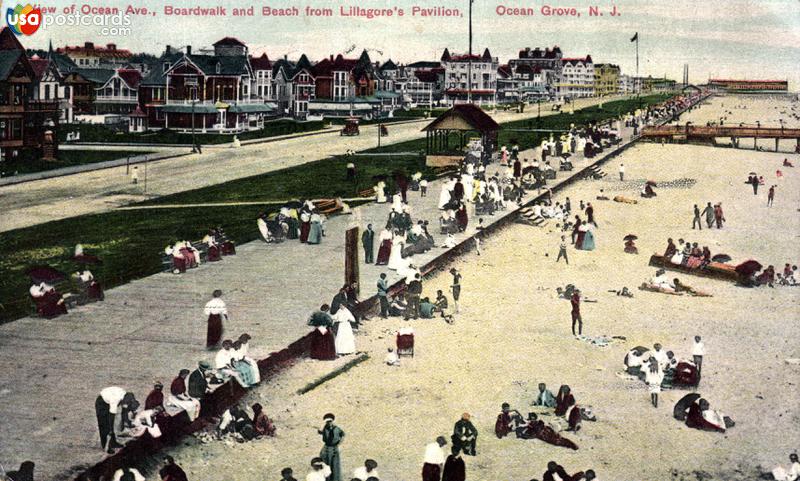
{"x":405,"y":342}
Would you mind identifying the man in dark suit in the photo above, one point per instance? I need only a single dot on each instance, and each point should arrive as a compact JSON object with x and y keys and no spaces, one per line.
{"x":368,"y":242}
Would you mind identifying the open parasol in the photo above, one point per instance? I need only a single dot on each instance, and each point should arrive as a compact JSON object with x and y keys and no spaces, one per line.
{"x":630,"y":237}
{"x":679,"y":411}
{"x":45,"y":274}
{"x":748,"y":268}
{"x":721,"y":258}
{"x":640,"y":350}
{"x":652,"y":183}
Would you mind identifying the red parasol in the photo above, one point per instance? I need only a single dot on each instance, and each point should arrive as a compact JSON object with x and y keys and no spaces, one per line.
{"x":45,"y":274}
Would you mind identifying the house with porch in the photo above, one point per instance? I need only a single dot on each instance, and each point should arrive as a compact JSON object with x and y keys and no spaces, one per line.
{"x":49,"y":86}
{"x":208,"y":93}
{"x":27,"y":124}
{"x":119,"y":94}
{"x":481,"y":88}
{"x":347,"y":87}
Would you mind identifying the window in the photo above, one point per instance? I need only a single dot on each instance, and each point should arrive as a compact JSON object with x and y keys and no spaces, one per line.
{"x":219,"y":68}
{"x":167,"y":65}
{"x":47,"y":92}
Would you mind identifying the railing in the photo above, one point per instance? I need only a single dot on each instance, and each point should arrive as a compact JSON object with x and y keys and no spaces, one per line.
{"x":721,"y":131}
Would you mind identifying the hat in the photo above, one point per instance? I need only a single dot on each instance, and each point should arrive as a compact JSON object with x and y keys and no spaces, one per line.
{"x":328,"y":416}
{"x":204,"y":365}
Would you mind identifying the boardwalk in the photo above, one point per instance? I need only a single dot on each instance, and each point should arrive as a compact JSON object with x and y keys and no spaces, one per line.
{"x":149,"y":329}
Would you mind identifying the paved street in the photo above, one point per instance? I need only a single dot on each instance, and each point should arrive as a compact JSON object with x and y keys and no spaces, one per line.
{"x":51,"y":199}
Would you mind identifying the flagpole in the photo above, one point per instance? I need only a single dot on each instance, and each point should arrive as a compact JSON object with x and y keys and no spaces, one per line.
{"x":469,"y":58}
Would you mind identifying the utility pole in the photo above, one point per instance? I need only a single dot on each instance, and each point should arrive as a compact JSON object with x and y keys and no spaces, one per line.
{"x":469,"y":57}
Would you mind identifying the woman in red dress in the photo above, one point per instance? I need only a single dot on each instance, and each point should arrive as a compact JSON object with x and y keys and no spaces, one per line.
{"x":385,"y":249}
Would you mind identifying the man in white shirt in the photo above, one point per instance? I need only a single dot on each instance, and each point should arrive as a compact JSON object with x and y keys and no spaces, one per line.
{"x":791,"y":474}
{"x":319,"y":471}
{"x":434,"y":459}
{"x":698,"y":351}
{"x":661,"y":356}
{"x":621,"y":171}
{"x":110,"y":402}
{"x":369,"y":470}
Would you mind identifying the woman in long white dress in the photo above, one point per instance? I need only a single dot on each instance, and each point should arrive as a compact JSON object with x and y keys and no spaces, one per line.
{"x":380,"y":192}
{"x":345,"y":340}
{"x":396,"y":257}
{"x":444,"y":195}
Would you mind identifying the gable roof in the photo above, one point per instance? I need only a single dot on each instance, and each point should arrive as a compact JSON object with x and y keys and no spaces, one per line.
{"x":585,"y":60}
{"x":261,"y":63}
{"x":229,"y":65}
{"x":39,"y":66}
{"x":95,"y":75}
{"x":284,"y":65}
{"x":11,"y":54}
{"x":475,"y":118}
{"x":303,"y":64}
{"x":132,"y":77}
{"x":388,"y":65}
{"x":229,"y":41}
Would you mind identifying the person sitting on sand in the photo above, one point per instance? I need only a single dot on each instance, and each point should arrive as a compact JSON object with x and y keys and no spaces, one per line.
{"x":630,"y":247}
{"x":545,"y":397}
{"x":634,"y":360}
{"x":786,"y":163}
{"x":767,"y":277}
{"x":507,"y":421}
{"x":564,"y":400}
{"x":792,"y":473}
{"x":624,"y":292}
{"x":671,"y":249}
{"x":669,"y":370}
{"x":556,"y":472}
{"x":536,"y":429}
{"x":700,"y":416}
{"x":660,"y":283}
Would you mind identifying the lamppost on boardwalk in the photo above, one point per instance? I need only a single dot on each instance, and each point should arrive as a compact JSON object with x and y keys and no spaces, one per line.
{"x":194,"y":101}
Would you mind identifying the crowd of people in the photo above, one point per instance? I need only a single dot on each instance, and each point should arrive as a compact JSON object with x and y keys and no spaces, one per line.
{"x":301,"y":221}
{"x":660,"y":369}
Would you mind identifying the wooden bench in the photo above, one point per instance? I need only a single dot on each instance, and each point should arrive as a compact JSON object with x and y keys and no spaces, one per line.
{"x":367,"y":193}
{"x":328,"y":206}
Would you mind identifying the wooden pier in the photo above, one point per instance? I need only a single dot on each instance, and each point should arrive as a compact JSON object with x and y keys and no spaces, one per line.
{"x":709,"y":134}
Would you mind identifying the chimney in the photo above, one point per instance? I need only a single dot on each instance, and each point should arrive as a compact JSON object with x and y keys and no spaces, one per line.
{"x":188,"y":50}
{"x":88,"y":46}
{"x":331,"y":57}
{"x":168,"y":50}
{"x":286,"y":57}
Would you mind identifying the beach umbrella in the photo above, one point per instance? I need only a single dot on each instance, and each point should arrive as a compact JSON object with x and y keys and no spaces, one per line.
{"x":721,"y":258}
{"x":651,"y":183}
{"x":679,"y":411}
{"x":640,"y":350}
{"x":45,"y":274}
{"x":630,"y":237}
{"x":752,"y":173}
{"x":748,"y":268}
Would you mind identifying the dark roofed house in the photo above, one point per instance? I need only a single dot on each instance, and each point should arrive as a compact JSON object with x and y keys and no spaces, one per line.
{"x":27,"y":126}
{"x":262,"y":78}
{"x":481,"y":88}
{"x":119,"y":94}
{"x":208,"y":93}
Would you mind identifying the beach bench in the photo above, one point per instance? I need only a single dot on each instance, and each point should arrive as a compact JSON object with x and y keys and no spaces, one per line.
{"x":328,"y":206}
{"x":715,"y":270}
{"x":367,"y":193}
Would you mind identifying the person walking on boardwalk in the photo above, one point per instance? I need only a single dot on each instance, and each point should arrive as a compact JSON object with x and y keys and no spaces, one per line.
{"x":216,"y":311}
{"x":696,"y":220}
{"x":575,"y":301}
{"x":368,"y":242}
{"x":709,"y":213}
{"x":332,"y":436}
{"x":456,"y":287}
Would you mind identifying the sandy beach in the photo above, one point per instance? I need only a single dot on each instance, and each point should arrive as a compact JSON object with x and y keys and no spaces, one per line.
{"x":514,"y":332}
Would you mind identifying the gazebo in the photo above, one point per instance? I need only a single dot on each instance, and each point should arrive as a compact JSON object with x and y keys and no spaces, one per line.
{"x":447,"y":136}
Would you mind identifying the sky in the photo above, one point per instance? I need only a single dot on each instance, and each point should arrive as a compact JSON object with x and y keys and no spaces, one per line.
{"x":752,"y":39}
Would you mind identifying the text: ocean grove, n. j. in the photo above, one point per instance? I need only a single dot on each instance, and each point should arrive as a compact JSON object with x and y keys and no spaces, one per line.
{"x":309,"y":11}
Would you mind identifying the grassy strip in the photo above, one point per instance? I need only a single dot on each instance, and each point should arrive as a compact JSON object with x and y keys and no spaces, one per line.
{"x":66,"y":158}
{"x":129,"y":242}
{"x":101,"y":133}
{"x":318,"y":382}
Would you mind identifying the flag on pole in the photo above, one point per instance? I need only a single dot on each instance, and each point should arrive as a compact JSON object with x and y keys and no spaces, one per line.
{"x":635,"y":37}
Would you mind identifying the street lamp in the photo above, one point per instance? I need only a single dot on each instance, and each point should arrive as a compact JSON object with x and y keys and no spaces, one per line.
{"x":194,"y":138}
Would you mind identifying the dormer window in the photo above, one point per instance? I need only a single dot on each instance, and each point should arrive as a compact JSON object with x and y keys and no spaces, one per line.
{"x":167,"y":65}
{"x":219,"y":68}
